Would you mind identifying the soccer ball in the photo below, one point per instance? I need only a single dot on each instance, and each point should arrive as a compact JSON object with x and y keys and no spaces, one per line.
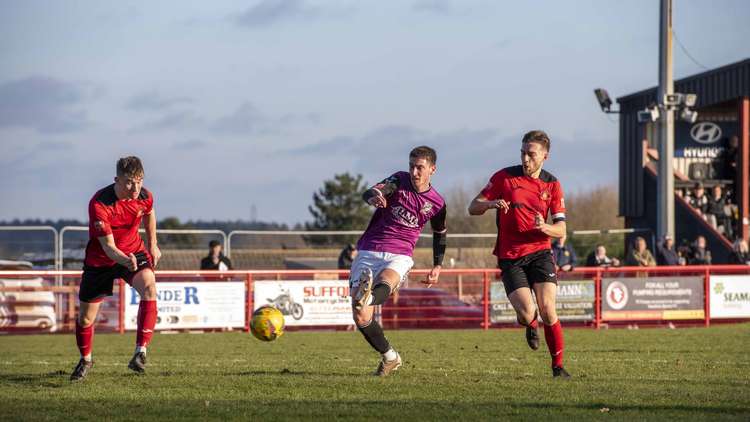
{"x":267,"y":323}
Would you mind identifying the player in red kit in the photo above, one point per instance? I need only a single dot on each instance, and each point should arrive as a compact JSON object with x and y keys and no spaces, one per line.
{"x":116,"y":250}
{"x":524,"y":197}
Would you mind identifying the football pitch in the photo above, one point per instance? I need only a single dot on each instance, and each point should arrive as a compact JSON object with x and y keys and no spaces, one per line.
{"x":655,"y":374}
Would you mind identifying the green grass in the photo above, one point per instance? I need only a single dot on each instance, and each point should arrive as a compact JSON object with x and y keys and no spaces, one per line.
{"x":656,"y":374}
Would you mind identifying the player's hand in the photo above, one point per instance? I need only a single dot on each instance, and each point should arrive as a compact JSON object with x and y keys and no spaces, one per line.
{"x":378,"y":200}
{"x":155,"y":254}
{"x":539,"y":222}
{"x":504,"y":205}
{"x":432,"y":277}
{"x":499,"y":204}
{"x":132,"y":265}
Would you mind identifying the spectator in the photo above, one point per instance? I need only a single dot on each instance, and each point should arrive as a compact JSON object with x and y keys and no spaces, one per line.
{"x":731,"y":158}
{"x":565,"y":256}
{"x":740,"y":253}
{"x":666,"y":253}
{"x":347,"y":256}
{"x":699,"y":255}
{"x":598,"y":258}
{"x":698,"y":199}
{"x":716,"y":212}
{"x":640,"y":256}
{"x":215,"y":259}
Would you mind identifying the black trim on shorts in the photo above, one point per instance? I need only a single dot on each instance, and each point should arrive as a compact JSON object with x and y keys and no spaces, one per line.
{"x":98,"y":282}
{"x":536,"y":267}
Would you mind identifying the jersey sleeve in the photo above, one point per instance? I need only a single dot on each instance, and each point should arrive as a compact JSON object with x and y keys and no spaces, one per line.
{"x":557,"y":203}
{"x":99,"y":221}
{"x":438,"y":221}
{"x":386,"y":187}
{"x":493,"y":190}
{"x":149,"y":204}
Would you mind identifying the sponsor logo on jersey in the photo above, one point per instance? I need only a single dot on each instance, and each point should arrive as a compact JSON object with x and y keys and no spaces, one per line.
{"x":405,"y":217}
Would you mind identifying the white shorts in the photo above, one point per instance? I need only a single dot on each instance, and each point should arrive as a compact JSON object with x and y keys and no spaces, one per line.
{"x":377,"y":262}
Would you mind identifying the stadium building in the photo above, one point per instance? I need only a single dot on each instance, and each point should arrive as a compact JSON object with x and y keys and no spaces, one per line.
{"x":702,"y":153}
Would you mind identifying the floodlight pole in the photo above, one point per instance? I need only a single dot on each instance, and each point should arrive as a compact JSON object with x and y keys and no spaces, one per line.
{"x":665,"y":189}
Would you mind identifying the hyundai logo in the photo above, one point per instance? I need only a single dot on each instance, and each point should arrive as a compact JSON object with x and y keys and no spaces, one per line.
{"x":705,"y":132}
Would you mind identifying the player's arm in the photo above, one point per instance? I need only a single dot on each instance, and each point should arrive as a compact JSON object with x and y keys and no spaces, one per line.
{"x":489,"y":198}
{"x":150,"y":226}
{"x":557,"y":207}
{"x":115,"y":254}
{"x":480,"y":204}
{"x":439,"y":244}
{"x":378,"y":194}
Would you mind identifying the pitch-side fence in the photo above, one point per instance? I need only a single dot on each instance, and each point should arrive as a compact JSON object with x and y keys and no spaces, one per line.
{"x":46,"y":301}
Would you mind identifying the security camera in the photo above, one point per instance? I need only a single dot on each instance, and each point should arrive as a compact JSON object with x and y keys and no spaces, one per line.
{"x":691,"y":100}
{"x":673,"y":100}
{"x":650,"y":114}
{"x":688,"y":115}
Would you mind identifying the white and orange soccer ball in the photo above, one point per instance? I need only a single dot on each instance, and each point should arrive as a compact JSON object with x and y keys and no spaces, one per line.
{"x":267,"y":323}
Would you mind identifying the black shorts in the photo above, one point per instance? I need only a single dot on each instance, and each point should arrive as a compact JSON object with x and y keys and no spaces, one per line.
{"x":97,"y":282}
{"x":536,"y":267}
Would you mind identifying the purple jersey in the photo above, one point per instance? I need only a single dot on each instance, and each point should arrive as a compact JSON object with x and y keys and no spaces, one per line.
{"x":396,"y":228}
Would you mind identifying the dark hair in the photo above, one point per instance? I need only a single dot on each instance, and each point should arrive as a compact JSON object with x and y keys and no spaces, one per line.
{"x":214,"y":243}
{"x":538,"y":136}
{"x":425,"y":152}
{"x":129,"y":167}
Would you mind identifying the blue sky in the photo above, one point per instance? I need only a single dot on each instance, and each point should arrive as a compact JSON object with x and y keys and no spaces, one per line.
{"x":238,"y":104}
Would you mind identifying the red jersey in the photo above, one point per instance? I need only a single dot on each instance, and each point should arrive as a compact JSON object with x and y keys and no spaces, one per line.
{"x":516,"y":235}
{"x":119,"y":217}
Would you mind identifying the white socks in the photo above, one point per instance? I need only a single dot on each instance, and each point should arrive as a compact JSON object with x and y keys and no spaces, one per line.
{"x":390,"y":355}
{"x":87,"y":358}
{"x":139,"y":349}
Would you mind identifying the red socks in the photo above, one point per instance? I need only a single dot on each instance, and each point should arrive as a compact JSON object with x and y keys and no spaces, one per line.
{"x":84,"y":338}
{"x":146,"y":322}
{"x":554,"y":336}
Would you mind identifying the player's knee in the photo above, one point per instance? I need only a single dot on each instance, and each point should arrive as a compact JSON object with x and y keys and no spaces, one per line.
{"x":548,"y":314}
{"x":149,"y":291}
{"x":526,"y":316}
{"x":361,"y":319}
{"x":85,"y":320}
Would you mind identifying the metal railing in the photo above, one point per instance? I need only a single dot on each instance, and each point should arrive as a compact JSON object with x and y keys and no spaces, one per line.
{"x":411,"y":308}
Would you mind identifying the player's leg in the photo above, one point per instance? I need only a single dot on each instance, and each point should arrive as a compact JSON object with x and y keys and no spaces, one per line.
{"x":144,"y":282}
{"x":545,"y":289}
{"x":519,"y":294}
{"x":87,"y":313}
{"x":95,"y":285}
{"x":363,"y":307}
{"x":546,"y":298}
{"x":386,"y":282}
{"x":392,"y":273}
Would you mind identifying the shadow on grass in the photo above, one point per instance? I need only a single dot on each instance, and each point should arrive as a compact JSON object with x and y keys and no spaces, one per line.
{"x":208,"y":407}
{"x":49,"y":379}
{"x":289,"y":372}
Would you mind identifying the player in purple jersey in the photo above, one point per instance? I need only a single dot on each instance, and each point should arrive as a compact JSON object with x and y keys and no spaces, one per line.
{"x":405,"y":202}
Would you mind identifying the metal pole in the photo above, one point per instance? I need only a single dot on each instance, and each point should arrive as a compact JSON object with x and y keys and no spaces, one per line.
{"x":665,"y":188}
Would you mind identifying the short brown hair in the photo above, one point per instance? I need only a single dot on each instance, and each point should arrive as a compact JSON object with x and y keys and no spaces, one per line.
{"x":129,"y":167}
{"x":425,"y":152}
{"x":538,"y":136}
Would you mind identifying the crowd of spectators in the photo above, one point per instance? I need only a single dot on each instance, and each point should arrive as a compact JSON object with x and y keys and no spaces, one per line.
{"x":639,"y":255}
{"x":719,"y":206}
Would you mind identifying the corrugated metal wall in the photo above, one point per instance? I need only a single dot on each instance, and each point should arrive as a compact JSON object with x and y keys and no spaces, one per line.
{"x":717,"y":86}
